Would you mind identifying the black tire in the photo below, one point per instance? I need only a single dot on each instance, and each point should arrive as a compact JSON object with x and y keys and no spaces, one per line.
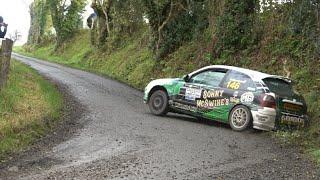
{"x":158,"y":103}
{"x":240,"y":118}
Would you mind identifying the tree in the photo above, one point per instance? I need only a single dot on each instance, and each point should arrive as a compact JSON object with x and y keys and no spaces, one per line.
{"x":159,"y":14}
{"x":102,"y":9}
{"x":172,"y":22}
{"x":235,"y":25}
{"x":115,"y":19}
{"x":39,"y":12}
{"x":127,"y":17}
{"x":66,"y":18}
{"x":216,"y":9}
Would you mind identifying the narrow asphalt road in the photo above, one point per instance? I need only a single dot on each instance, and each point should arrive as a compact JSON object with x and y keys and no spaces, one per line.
{"x":121,"y":139}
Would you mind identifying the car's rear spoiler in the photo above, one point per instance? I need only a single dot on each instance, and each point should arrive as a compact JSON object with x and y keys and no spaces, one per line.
{"x":288,"y":80}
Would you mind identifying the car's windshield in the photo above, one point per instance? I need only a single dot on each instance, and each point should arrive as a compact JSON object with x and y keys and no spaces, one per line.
{"x":279,"y":86}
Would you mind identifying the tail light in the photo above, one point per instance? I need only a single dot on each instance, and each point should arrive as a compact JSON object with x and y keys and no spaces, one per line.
{"x":267,"y":100}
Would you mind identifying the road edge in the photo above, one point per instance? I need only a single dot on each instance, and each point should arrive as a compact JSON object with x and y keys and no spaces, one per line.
{"x":62,"y":130}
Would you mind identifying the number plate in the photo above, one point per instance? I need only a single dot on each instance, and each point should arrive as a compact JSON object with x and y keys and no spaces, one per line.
{"x":291,"y":120}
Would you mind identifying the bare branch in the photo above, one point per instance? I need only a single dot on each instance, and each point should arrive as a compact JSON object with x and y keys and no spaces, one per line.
{"x":165,"y":22}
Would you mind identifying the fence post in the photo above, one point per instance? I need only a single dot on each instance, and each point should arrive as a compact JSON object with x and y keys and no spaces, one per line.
{"x":5,"y":56}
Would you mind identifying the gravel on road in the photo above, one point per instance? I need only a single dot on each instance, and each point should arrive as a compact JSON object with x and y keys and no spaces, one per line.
{"x":115,"y":137}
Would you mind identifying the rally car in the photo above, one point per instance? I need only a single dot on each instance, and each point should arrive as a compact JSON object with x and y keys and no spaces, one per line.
{"x":240,"y":97}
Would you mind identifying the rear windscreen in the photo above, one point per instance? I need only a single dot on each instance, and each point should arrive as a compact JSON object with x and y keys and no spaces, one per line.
{"x":279,"y":86}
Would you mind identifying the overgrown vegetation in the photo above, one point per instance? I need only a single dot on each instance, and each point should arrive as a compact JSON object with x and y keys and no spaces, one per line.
{"x":235,"y":26}
{"x":66,"y":19}
{"x":173,"y":23}
{"x":140,"y":40}
{"x":28,"y":107}
{"x":40,"y":22}
{"x":63,"y":16}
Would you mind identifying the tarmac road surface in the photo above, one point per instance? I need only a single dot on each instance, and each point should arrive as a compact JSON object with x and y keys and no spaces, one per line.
{"x":117,"y":138}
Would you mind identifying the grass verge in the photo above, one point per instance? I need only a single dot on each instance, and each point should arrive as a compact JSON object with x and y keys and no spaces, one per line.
{"x":29,"y":105}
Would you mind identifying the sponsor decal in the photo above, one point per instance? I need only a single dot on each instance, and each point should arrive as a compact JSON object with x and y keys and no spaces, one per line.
{"x":210,"y":104}
{"x":292,"y":107}
{"x":184,"y":107}
{"x":212,"y":94}
{"x":234,"y":100}
{"x":247,"y":97}
{"x":251,"y":89}
{"x":192,"y":93}
{"x":211,"y":99}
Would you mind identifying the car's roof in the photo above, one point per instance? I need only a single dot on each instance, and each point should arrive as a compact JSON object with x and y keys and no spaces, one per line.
{"x":255,"y":75}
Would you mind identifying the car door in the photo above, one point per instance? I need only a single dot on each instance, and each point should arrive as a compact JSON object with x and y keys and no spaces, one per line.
{"x":202,"y":84}
{"x":239,"y":88}
{"x":236,"y":84}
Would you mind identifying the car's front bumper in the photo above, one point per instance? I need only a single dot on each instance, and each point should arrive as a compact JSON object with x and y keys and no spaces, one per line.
{"x":264,"y":119}
{"x":145,"y":99}
{"x":145,"y":95}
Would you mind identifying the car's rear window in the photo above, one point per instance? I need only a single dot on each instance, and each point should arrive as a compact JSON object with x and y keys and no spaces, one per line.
{"x":279,"y":86}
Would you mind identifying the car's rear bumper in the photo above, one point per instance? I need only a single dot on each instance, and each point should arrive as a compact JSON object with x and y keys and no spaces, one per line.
{"x":264,"y":119}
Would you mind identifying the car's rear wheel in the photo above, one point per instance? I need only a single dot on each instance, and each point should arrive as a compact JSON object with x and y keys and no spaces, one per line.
{"x":240,"y":118}
{"x":158,"y":103}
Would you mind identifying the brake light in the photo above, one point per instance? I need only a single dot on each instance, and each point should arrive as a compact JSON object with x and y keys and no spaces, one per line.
{"x":267,"y":100}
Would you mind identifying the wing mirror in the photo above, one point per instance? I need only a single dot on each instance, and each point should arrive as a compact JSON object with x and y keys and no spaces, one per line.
{"x":186,"y":78}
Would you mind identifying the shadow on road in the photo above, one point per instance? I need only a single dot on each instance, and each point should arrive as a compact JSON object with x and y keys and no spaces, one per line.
{"x":208,"y":122}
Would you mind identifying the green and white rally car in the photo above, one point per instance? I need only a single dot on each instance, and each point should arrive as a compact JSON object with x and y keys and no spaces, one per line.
{"x":241,"y":97}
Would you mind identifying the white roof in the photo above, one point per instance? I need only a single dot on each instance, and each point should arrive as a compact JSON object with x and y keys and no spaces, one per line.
{"x":255,"y":75}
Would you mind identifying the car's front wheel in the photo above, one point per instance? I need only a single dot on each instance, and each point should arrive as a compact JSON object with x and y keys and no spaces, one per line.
{"x":158,"y":103}
{"x":240,"y":118}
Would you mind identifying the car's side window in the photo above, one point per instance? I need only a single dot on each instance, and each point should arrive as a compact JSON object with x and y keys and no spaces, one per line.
{"x":238,"y":81}
{"x":210,"y":78}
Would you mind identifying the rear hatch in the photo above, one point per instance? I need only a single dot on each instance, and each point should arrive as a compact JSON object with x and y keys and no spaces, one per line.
{"x":291,"y":107}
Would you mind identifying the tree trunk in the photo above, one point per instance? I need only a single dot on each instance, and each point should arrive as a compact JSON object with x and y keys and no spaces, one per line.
{"x":103,"y":22}
{"x":160,"y":28}
{"x":103,"y":30}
